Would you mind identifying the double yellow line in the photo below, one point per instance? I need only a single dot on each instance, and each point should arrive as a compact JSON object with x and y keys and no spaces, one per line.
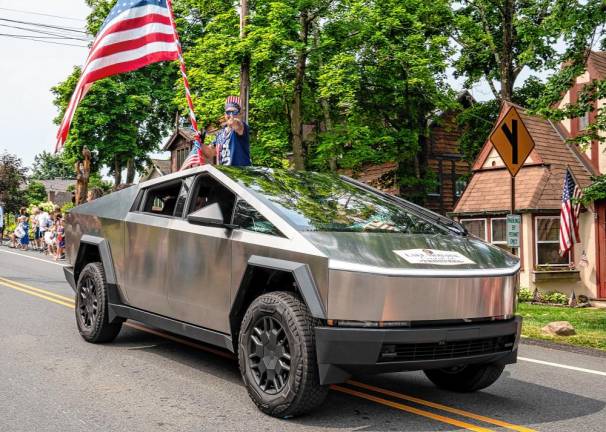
{"x":360,"y":390}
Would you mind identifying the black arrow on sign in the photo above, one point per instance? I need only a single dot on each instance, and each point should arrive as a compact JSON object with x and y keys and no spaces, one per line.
{"x":512,"y":137}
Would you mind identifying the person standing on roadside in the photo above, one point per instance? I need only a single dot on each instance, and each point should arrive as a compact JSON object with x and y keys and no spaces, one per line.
{"x":1,"y":222}
{"x":43,"y":224}
{"x":231,"y":144}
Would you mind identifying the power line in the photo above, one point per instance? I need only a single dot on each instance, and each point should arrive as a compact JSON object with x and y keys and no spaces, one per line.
{"x":42,"y":14}
{"x":33,"y":39}
{"x":64,"y":35}
{"x":69,"y":29}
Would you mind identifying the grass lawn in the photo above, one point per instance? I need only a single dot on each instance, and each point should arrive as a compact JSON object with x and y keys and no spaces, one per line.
{"x":589,"y":323}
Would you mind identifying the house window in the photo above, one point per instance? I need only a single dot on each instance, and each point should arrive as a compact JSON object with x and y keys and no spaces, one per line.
{"x":477,"y":227}
{"x":498,"y":234}
{"x":460,"y":185}
{"x":182,"y":154}
{"x":584,"y":121}
{"x":547,"y":238}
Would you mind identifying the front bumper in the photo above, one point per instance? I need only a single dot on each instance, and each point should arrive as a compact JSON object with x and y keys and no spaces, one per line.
{"x":343,"y":352}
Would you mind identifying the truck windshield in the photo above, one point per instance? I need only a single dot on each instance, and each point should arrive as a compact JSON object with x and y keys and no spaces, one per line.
{"x":324,"y":202}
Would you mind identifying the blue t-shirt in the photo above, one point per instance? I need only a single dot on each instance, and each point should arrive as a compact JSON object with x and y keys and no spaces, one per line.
{"x":233,"y":149}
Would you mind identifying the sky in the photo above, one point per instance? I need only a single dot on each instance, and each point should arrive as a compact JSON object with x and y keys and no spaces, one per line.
{"x":29,"y":69}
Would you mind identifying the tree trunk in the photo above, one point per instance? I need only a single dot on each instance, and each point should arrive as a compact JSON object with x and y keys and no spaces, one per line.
{"x":506,"y":66}
{"x":130,"y":171}
{"x":332,"y":159}
{"x":117,"y":171}
{"x":296,"y":113}
{"x":245,"y":65}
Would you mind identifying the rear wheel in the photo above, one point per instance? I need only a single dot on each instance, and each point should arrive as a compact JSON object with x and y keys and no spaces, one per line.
{"x":277,"y":356}
{"x":91,"y":306}
{"x":465,"y":378}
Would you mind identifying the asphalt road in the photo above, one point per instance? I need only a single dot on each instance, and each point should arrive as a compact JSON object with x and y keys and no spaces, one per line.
{"x":148,"y":380}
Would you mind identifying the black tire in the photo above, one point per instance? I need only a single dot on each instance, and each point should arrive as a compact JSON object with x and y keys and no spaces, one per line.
{"x":467,"y":378}
{"x":91,"y":306}
{"x":280,"y":393}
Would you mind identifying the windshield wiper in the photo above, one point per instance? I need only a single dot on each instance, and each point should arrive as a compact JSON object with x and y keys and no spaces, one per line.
{"x":417,"y":209}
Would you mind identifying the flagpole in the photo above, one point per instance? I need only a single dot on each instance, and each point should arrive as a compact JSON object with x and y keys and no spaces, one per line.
{"x":190,"y":103}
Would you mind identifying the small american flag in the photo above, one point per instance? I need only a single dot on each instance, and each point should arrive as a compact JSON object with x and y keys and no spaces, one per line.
{"x":569,"y":214}
{"x":195,"y":157}
{"x":135,"y":34}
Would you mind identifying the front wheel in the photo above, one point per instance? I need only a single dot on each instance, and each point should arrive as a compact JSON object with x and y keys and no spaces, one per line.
{"x":91,"y":306}
{"x":277,"y":356}
{"x":465,"y":378}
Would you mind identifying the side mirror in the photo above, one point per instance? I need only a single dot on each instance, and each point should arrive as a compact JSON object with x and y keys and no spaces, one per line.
{"x":210,"y":215}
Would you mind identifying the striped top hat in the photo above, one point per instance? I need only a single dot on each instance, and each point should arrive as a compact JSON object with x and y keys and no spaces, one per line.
{"x":233,"y":102}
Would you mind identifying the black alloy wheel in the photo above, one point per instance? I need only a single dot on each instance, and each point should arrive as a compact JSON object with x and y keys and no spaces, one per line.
{"x":269,"y":355}
{"x":277,"y":355}
{"x":92,"y":306}
{"x":88,"y":306}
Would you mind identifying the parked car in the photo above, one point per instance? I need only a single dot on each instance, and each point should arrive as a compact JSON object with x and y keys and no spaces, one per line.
{"x":309,"y":278}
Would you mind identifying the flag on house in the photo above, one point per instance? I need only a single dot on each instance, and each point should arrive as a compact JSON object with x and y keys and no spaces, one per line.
{"x":569,"y":214}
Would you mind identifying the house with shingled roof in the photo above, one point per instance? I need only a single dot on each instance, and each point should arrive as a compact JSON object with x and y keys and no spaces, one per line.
{"x":483,"y":207}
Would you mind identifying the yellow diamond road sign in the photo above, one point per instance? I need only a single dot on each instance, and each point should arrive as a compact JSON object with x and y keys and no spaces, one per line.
{"x":512,"y":140}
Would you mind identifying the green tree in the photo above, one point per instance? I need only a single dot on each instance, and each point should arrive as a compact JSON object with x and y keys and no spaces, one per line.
{"x":48,"y":166}
{"x":35,"y":193}
{"x":12,"y":177}
{"x":497,"y":39}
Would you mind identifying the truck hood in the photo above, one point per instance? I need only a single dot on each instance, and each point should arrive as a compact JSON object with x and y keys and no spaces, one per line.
{"x":413,"y":254}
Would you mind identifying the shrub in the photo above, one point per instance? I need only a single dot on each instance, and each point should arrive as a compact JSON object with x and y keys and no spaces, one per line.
{"x":555,"y":297}
{"x":67,"y":207}
{"x":525,"y":295}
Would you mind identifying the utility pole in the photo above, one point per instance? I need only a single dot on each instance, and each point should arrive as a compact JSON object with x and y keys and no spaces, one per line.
{"x":245,"y":66}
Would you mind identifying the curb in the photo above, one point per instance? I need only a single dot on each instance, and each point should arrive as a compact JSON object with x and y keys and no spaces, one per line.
{"x":564,"y":347}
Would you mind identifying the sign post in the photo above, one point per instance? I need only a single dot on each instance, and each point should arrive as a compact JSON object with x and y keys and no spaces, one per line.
{"x":514,"y":144}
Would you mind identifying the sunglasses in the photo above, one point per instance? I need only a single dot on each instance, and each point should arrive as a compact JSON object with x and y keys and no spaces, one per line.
{"x":232,"y":112}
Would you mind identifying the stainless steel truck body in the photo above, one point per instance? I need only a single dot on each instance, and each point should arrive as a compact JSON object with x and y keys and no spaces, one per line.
{"x":295,"y":271}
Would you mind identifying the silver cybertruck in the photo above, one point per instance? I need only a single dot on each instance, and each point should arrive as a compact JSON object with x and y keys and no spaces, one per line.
{"x":308,"y":278}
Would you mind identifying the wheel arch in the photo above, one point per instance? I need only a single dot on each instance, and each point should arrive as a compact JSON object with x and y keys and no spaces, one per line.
{"x":264,"y":275}
{"x":92,"y":249}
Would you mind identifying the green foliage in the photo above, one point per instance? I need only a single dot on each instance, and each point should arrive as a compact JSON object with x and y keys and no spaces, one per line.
{"x":12,"y":176}
{"x":35,"y":192}
{"x":47,"y":206}
{"x":497,"y":39}
{"x":594,"y":192}
{"x":49,"y":166}
{"x":96,"y":181}
{"x":555,"y":297}
{"x":525,"y":295}
{"x":67,"y":207}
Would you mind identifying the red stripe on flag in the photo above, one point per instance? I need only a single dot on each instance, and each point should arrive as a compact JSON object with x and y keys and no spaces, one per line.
{"x":132,"y":44}
{"x":131,"y":65}
{"x":131,"y":24}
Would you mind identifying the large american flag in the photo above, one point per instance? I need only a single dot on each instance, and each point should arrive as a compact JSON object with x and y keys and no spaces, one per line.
{"x":569,"y":214}
{"x":136,"y":33}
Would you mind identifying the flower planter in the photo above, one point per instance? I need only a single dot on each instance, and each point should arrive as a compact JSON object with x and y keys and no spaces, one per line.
{"x":555,"y":275}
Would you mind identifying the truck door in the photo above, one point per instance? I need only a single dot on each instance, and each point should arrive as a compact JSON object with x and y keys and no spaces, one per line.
{"x":199,"y":269}
{"x":149,"y":245}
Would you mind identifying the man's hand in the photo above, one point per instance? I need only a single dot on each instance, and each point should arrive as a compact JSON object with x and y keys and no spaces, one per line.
{"x":235,"y":124}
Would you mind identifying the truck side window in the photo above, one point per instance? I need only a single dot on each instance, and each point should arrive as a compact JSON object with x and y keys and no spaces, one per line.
{"x":246,"y":217}
{"x":162,"y":200}
{"x":209,"y":191}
